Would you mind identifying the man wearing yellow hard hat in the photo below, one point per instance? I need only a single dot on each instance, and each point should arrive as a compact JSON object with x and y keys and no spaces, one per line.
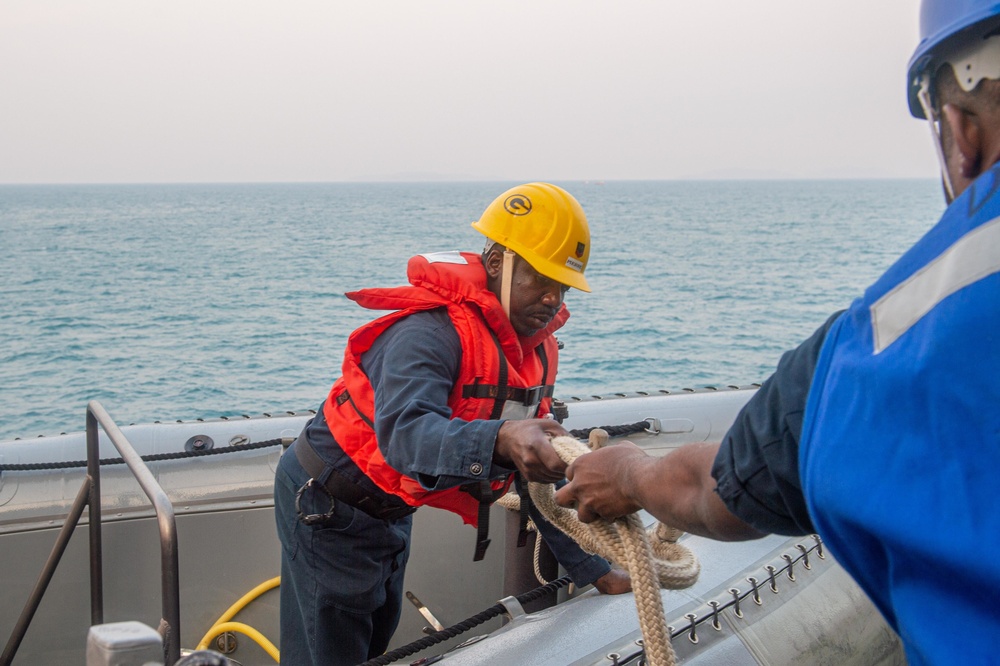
{"x":439,"y":403}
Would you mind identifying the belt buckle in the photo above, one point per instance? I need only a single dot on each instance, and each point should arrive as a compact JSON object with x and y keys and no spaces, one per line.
{"x":533,"y":396}
{"x":313,"y":518}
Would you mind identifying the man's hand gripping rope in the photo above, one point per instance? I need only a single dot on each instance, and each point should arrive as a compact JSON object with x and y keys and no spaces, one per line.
{"x":653,"y":558}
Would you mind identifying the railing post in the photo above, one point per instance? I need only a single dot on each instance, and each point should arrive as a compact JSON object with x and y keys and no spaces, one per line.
{"x":96,"y":558}
{"x":171,"y":621}
{"x":45,"y":577}
{"x":89,"y":496}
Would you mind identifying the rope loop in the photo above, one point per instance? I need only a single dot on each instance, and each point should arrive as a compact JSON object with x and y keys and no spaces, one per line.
{"x":652,"y":558}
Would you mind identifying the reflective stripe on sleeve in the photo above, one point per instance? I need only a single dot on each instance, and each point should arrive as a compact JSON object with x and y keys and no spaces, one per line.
{"x":973,"y":257}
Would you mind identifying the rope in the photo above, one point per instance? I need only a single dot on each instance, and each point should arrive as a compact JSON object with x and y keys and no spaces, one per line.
{"x":28,"y":467}
{"x":512,"y":502}
{"x":615,"y":431}
{"x":612,"y":431}
{"x":653,"y":559}
{"x":463,"y":626}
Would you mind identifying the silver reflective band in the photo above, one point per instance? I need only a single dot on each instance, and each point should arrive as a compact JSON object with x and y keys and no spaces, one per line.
{"x":513,"y":411}
{"x":973,"y":257}
{"x":452,"y":257}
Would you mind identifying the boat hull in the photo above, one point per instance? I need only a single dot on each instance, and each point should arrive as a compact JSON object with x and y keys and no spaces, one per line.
{"x":227,"y":545}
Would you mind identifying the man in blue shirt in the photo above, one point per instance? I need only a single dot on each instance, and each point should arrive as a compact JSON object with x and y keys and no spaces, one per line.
{"x":438,"y":404}
{"x":881,"y":432}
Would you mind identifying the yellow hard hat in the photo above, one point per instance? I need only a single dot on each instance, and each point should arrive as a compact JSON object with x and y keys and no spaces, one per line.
{"x":546,"y":226}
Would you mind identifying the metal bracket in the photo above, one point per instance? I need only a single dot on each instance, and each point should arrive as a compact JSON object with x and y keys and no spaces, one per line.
{"x":428,"y":615}
{"x":513,"y":607}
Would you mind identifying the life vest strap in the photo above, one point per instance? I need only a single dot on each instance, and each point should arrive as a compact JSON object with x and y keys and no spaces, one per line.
{"x":483,"y":493}
{"x":523,"y":518}
{"x":525,"y":396}
{"x":346,"y":397}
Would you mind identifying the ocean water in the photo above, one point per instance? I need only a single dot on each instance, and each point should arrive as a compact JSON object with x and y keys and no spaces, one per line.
{"x":196,"y":301}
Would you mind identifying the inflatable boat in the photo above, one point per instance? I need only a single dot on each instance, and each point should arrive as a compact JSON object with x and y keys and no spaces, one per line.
{"x":183,"y":555}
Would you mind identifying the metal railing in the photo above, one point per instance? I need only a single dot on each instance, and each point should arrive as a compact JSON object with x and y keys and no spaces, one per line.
{"x":89,"y":496}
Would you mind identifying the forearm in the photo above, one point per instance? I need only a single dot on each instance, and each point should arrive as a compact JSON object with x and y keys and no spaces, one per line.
{"x":678,"y":489}
{"x":442,"y":453}
{"x":412,"y":368}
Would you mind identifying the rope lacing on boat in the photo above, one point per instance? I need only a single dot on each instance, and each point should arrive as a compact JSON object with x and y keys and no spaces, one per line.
{"x":236,"y":448}
{"x":152,"y":457}
{"x":653,"y":559}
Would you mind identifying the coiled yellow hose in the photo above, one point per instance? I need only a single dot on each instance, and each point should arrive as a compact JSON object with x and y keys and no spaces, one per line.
{"x":223,"y":624}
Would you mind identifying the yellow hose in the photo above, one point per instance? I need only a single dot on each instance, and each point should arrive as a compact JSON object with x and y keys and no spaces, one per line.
{"x":243,"y":629}
{"x":223,"y":624}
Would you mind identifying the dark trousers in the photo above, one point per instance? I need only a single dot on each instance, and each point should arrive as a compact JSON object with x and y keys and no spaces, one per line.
{"x":341,"y":581}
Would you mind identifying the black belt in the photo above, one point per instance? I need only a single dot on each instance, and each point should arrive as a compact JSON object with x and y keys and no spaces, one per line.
{"x":342,"y":488}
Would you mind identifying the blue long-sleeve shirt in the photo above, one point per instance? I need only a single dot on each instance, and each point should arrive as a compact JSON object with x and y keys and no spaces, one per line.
{"x":757,"y":466}
{"x":413,"y":367}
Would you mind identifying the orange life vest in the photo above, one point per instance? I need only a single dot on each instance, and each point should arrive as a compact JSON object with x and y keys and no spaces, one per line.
{"x":502,"y":375}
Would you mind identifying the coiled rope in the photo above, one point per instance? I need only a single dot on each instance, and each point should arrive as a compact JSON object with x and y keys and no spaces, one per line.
{"x":512,"y":502}
{"x":653,"y":558}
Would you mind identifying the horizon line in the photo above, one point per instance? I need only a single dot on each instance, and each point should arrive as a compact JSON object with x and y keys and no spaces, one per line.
{"x":446,"y":181}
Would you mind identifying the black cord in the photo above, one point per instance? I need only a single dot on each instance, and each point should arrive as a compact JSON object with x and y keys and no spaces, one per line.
{"x":463,"y":626}
{"x":613,"y":431}
{"x":28,"y":467}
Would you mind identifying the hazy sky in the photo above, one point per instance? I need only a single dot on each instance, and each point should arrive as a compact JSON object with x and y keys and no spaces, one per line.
{"x":238,"y":90}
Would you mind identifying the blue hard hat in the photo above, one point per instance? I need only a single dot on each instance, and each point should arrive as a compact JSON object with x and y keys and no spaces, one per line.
{"x":940,"y":22}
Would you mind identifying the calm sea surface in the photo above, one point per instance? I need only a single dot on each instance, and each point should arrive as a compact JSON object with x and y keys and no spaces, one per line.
{"x":196,"y":301}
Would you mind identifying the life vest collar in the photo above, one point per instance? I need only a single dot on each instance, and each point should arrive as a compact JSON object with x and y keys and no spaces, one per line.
{"x":498,"y":376}
{"x":459,"y":277}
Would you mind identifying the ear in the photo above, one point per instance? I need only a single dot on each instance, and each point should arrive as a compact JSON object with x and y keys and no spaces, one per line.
{"x":968,"y":139}
{"x":493,"y":263}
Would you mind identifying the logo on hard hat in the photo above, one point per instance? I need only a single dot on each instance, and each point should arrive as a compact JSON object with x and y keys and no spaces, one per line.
{"x":580,"y":248}
{"x":517,"y":204}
